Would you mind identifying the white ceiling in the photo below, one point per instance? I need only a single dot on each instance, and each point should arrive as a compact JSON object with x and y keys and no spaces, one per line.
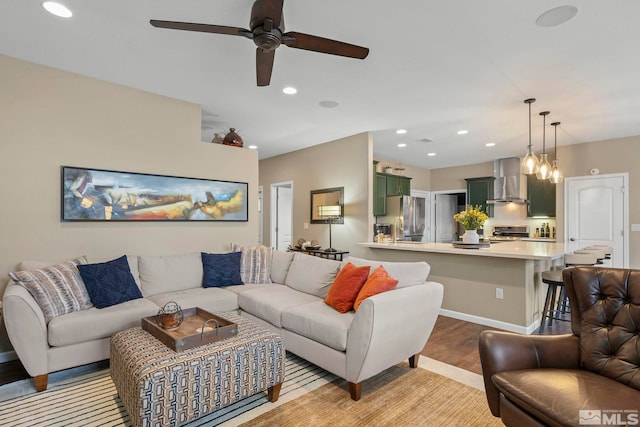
{"x":434,"y":67}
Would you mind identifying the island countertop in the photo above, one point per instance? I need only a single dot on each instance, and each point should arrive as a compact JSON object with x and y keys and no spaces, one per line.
{"x":516,"y":249}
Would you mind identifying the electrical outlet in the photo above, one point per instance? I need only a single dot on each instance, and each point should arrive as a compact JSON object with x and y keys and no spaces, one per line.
{"x":499,"y":293}
{"x":306,"y":226}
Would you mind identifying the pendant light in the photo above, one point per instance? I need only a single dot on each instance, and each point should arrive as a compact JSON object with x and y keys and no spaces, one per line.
{"x":544,"y":167}
{"x":556,"y":175}
{"x":529,"y":163}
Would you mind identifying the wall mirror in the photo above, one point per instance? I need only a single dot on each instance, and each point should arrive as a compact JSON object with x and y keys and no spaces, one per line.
{"x":327,"y":197}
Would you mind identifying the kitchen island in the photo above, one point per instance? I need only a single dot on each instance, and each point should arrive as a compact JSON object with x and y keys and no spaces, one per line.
{"x":473,"y":278}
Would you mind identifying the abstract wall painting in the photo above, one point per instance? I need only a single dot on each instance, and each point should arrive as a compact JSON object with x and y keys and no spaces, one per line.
{"x":103,"y":195}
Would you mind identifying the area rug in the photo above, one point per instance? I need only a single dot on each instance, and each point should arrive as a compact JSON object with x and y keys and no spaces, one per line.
{"x":310,"y":396}
{"x":90,"y":399}
{"x":399,"y":396}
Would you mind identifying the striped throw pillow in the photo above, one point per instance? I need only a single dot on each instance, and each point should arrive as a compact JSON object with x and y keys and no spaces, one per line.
{"x":57,"y":289}
{"x":255,"y":263}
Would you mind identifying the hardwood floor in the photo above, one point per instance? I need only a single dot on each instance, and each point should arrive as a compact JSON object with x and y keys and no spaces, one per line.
{"x":455,"y":341}
{"x":452,"y":341}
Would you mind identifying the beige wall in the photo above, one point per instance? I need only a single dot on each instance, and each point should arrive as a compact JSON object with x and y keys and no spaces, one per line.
{"x":452,"y":178}
{"x":610,"y":156}
{"x":347,"y":163}
{"x":420,"y":177}
{"x":50,"y":118}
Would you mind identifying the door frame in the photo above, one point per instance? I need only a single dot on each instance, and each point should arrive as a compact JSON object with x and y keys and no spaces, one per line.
{"x":432,"y":208}
{"x":426,"y":238}
{"x":273,"y":219}
{"x":625,"y":208}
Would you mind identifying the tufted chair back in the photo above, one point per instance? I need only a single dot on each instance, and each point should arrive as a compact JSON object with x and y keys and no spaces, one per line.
{"x":605,"y":315}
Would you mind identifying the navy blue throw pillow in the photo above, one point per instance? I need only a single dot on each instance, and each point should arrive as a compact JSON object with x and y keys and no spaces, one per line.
{"x":109,"y":283}
{"x":221,"y":269}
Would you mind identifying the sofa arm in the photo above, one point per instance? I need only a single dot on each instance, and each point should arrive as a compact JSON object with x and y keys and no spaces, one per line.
{"x":506,"y":351}
{"x":390,"y":327}
{"x":26,"y":328}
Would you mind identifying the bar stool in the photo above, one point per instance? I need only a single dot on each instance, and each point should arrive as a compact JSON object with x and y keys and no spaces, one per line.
{"x":608,"y":250}
{"x":553,"y":278}
{"x":598,"y":252}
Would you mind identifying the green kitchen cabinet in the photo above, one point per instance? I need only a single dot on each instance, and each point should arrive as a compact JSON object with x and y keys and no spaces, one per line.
{"x":379,"y":194}
{"x":479,"y":190}
{"x":541,"y":195}
{"x":398,"y":185}
{"x":384,"y":185}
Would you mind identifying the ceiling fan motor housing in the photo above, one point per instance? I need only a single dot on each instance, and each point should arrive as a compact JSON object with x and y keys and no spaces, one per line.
{"x":267,"y":40}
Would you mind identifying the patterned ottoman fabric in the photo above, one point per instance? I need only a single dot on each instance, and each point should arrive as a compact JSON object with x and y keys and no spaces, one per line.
{"x":160,"y":387}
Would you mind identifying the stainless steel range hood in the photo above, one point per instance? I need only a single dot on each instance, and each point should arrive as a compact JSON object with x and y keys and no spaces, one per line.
{"x":507,"y":188}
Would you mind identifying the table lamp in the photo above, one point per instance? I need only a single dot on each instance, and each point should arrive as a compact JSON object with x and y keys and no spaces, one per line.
{"x":330,"y":212}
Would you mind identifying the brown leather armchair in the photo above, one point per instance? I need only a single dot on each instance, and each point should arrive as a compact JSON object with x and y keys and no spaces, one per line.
{"x":568,"y":380}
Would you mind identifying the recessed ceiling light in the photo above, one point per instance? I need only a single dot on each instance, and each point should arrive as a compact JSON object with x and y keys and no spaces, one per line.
{"x":401,"y":131}
{"x":402,"y":145}
{"x":463,"y":132}
{"x":490,"y":144}
{"x":431,"y":154}
{"x":556,"y":16}
{"x":253,"y":147}
{"x":328,"y":104}
{"x":57,"y":9}
{"x":290,"y":90}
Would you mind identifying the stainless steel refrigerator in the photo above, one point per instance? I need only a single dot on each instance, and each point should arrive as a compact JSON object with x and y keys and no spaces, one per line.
{"x":409,"y":216}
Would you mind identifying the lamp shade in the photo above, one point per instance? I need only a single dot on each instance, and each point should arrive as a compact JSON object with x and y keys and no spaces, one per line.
{"x":329,"y":210}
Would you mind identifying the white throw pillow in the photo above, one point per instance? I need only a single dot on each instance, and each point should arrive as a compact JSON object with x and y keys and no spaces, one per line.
{"x":255,"y":263}
{"x":311,"y":274}
{"x":58,"y":289}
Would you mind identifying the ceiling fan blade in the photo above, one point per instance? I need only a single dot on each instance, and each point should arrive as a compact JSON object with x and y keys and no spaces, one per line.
{"x":202,"y":28}
{"x":264,"y":66}
{"x":320,"y":44}
{"x":263,"y":9}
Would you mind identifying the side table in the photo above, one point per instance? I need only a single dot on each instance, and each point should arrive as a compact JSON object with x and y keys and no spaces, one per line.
{"x":321,"y":253}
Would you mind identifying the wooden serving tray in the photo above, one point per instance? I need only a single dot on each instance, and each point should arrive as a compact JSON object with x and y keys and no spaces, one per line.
{"x":189,"y":334}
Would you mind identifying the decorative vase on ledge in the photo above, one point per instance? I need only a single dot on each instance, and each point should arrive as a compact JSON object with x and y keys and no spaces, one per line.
{"x":471,"y":236}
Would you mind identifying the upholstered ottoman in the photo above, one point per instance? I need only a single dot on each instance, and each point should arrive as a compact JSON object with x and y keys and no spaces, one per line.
{"x":160,"y":387}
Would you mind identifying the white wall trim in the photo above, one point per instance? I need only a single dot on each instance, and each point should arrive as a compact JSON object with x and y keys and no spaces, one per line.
{"x":491,"y":322}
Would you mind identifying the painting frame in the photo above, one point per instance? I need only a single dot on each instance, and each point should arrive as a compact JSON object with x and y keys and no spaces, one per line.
{"x":102,"y":195}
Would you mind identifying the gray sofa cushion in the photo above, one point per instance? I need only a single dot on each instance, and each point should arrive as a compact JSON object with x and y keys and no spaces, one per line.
{"x":209,"y":299}
{"x":268,"y":303}
{"x":96,"y":323}
{"x":319,"y":322}
{"x":406,"y":273}
{"x":280,"y":263}
{"x":160,"y":274}
{"x":312,"y":275}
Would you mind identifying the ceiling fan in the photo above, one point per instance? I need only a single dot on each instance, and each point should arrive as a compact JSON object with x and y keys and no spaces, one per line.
{"x":267,"y":32}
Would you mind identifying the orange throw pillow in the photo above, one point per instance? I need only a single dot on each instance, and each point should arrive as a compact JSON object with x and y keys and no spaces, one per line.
{"x":345,"y":287}
{"x":378,"y":282}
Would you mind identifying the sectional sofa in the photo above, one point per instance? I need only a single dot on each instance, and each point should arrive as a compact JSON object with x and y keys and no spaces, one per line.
{"x":386,"y":328}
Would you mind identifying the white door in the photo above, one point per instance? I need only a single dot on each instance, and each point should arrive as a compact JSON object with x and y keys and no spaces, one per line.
{"x":445,"y":208}
{"x":281,"y":215}
{"x":596,"y":208}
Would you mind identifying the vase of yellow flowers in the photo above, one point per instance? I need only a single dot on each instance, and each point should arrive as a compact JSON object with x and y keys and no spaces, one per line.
{"x":471,"y":219}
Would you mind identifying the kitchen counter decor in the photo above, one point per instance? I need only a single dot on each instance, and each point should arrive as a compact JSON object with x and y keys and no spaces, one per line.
{"x":471,"y":219}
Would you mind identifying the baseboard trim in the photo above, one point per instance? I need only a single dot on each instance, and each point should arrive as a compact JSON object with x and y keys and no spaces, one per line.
{"x":8,"y":356}
{"x":490,"y":322}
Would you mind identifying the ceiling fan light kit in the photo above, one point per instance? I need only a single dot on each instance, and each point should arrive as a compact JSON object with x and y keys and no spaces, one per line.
{"x":529,"y":163}
{"x":268,"y":33}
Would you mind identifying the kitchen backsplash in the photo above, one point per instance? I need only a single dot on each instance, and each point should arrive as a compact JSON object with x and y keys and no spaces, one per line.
{"x":515,"y":214}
